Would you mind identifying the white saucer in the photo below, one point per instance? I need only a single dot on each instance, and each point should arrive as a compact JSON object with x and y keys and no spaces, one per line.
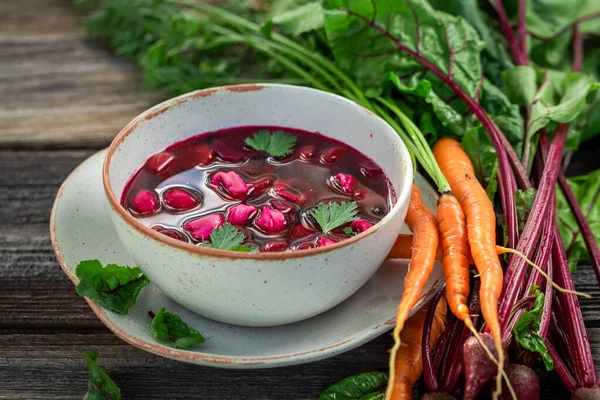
{"x":81,"y":229}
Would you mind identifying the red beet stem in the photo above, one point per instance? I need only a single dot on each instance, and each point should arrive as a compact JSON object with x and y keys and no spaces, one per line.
{"x":429,"y":372}
{"x":560,"y":368}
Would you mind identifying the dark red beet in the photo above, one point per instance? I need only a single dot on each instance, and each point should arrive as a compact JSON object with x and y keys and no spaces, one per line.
{"x":270,"y":220}
{"x":369,"y":169}
{"x":330,"y":156}
{"x":232,"y":183}
{"x":144,"y":202}
{"x":438,"y":396}
{"x":479,"y":368}
{"x":179,"y":199}
{"x":160,"y":163}
{"x":274,"y":246}
{"x":261,"y":186}
{"x":170,"y":233}
{"x":300,"y":231}
{"x":199,"y":155}
{"x":229,"y":150}
{"x":325,"y":241}
{"x":241,"y":214}
{"x":360,"y":225}
{"x":586,"y":394}
{"x":288,"y":194}
{"x":524,"y":382}
{"x":306,"y":152}
{"x":281,"y":206}
{"x":305,"y":246}
{"x":201,"y":228}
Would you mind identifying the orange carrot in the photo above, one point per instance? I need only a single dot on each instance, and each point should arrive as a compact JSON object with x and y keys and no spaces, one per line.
{"x":481,"y":232}
{"x":403,"y":248}
{"x":425,"y":243}
{"x":456,"y":255}
{"x":409,"y":359}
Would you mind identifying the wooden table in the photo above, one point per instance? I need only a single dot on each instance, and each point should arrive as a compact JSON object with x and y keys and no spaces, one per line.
{"x":62,"y":98}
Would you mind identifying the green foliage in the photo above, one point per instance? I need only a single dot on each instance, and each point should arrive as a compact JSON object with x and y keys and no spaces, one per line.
{"x":100,"y":386}
{"x":334,"y":215}
{"x":276,"y":144}
{"x":170,"y":330}
{"x":365,"y":386}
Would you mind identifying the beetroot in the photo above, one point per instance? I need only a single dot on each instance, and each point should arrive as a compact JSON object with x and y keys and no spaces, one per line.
{"x":229,"y":150}
{"x":274,"y":246}
{"x":200,"y":155}
{"x":479,"y":368}
{"x":262,"y":185}
{"x":306,"y":152}
{"x":300,"y":231}
{"x":369,"y":169}
{"x":170,"y":233}
{"x":160,"y":163}
{"x":270,"y":220}
{"x":201,"y":228}
{"x":346,"y":183}
{"x":524,"y":382}
{"x":281,"y":206}
{"x":179,"y":199}
{"x":586,"y":394}
{"x":331,"y":155}
{"x":241,"y":214}
{"x":288,"y":194}
{"x":360,"y":225}
{"x":232,"y":183}
{"x":324,"y":241}
{"x":144,"y":202}
{"x":305,"y":246}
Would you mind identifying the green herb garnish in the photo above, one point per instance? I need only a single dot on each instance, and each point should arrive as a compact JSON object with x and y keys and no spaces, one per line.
{"x":114,"y":287}
{"x":526,"y":329}
{"x":331,"y":216}
{"x":100,"y":386}
{"x":347,"y":230}
{"x":277,"y":144}
{"x":368,"y":385}
{"x":170,"y":330}
{"x":227,"y":237}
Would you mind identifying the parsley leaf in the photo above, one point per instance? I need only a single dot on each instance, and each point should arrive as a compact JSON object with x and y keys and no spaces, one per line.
{"x":100,"y":386}
{"x":114,"y":287}
{"x":170,"y":330}
{"x":227,"y":237}
{"x":277,"y":144}
{"x":331,"y":216}
{"x":526,"y":329}
{"x":348,"y":231}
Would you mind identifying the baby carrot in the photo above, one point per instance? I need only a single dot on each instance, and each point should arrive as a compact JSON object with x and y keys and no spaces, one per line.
{"x":409,"y":359}
{"x":481,"y":233}
{"x":425,"y":243}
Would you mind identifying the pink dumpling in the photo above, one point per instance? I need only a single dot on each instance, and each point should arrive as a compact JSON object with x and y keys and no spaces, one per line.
{"x":201,"y":228}
{"x":270,"y":220}
{"x":233,"y":184}
{"x":241,"y":214}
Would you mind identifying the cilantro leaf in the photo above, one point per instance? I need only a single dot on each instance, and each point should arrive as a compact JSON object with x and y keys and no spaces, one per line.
{"x":331,"y":216}
{"x":100,"y":386}
{"x":114,"y":287}
{"x":170,"y":330}
{"x":368,"y":385}
{"x":348,"y":231}
{"x":526,"y":329}
{"x":277,"y":144}
{"x":227,"y":237}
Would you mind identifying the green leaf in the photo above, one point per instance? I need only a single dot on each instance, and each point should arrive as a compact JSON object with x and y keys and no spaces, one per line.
{"x":170,"y":330}
{"x":277,"y":144}
{"x":572,"y":101}
{"x":520,"y":84}
{"x":227,"y":237}
{"x":100,"y":386}
{"x":331,"y":216}
{"x":267,"y":28}
{"x":114,"y":287}
{"x":524,"y":201}
{"x":478,"y":146}
{"x":526,"y":329}
{"x":365,"y":386}
{"x":364,"y":37}
{"x":547,"y":17}
{"x":296,"y":19}
{"x":505,"y":114}
{"x":587,"y":192}
{"x":348,"y":231}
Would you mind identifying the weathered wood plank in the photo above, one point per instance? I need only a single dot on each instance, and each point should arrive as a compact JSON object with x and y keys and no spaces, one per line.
{"x":58,"y":89}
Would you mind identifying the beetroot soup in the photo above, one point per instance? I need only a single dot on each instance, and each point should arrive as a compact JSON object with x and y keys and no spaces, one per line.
{"x":259,"y":189}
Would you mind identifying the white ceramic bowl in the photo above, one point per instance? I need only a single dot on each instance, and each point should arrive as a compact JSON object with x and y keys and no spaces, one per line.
{"x":257,"y":289}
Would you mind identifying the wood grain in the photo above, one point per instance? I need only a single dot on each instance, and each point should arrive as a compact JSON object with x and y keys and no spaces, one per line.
{"x":58,"y":89}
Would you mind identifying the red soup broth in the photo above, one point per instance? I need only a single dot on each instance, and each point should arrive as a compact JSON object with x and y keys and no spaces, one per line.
{"x":202,"y":183}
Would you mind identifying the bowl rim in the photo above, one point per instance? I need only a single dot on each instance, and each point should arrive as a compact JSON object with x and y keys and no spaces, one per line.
{"x":204,"y":251}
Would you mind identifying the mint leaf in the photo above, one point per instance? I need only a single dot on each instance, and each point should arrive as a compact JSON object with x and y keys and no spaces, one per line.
{"x":100,"y":386}
{"x":227,"y":237}
{"x":170,"y":330}
{"x":526,"y":329}
{"x":331,"y":216}
{"x":365,"y":386}
{"x":277,"y":144}
{"x":114,"y":287}
{"x":587,"y":191}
